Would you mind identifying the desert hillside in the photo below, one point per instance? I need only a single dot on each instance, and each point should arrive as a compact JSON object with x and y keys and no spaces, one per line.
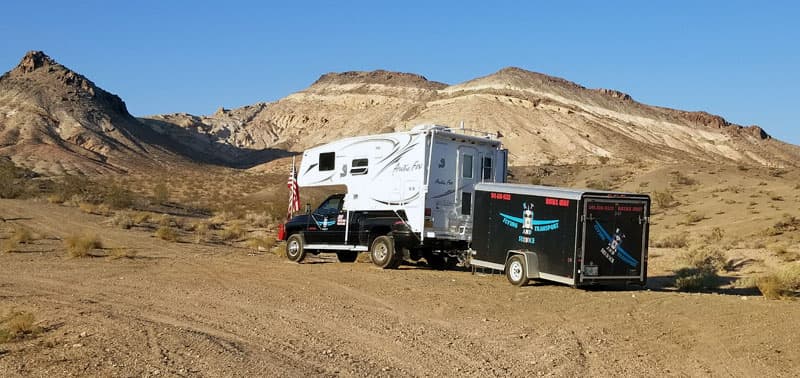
{"x":56,"y":121}
{"x":544,"y":120}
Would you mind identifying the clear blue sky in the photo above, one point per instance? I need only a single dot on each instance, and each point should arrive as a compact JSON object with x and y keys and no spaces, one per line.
{"x":739,"y":59}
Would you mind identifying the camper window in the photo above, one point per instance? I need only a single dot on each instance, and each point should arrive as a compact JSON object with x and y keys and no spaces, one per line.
{"x":487,"y":168}
{"x":326,"y":161}
{"x":359,"y":167}
{"x":466,"y":167}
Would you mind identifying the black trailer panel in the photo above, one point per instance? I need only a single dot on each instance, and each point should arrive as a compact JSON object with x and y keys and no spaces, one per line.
{"x":615,"y":242}
{"x":569,"y":236}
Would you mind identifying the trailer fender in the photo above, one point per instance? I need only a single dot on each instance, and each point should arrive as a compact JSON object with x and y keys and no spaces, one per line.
{"x":531,"y":261}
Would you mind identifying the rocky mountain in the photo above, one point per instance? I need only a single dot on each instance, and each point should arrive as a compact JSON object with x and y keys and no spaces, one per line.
{"x":544,"y":120}
{"x":56,"y":121}
{"x":53,"y":120}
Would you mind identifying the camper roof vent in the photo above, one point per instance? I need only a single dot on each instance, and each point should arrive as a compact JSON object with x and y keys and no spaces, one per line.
{"x":430,"y":127}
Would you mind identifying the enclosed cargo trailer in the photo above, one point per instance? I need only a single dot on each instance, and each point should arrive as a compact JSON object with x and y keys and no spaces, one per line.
{"x":575,"y":237}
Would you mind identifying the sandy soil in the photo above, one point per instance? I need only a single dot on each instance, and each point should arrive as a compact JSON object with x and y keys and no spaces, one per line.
{"x":181,"y":309}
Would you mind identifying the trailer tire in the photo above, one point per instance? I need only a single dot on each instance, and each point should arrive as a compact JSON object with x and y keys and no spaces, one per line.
{"x":347,"y":256}
{"x":384,"y":254}
{"x":295,"y":248}
{"x":515,"y":271}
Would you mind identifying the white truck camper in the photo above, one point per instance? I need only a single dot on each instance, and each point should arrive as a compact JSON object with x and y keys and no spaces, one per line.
{"x":409,"y":194}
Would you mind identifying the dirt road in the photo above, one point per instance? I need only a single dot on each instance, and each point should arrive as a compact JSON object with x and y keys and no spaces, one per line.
{"x":182,"y":309}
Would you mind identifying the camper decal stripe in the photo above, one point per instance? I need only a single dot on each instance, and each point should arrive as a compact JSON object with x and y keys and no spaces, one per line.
{"x":402,"y":202}
{"x":397,"y":158}
{"x":310,"y":167}
{"x":320,"y":181}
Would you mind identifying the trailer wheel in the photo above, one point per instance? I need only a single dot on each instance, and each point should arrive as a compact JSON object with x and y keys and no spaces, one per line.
{"x":383,"y":253}
{"x":295,"y":250}
{"x":347,"y":256}
{"x":515,"y":271}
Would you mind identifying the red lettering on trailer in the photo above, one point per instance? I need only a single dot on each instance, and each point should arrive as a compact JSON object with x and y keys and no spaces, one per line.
{"x":500,"y":196}
{"x":556,"y":202}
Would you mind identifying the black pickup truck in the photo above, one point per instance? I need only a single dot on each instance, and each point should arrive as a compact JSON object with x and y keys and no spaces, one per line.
{"x":331,"y":228}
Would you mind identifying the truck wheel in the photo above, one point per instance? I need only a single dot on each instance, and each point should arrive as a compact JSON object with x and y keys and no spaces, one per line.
{"x":347,"y":256}
{"x":515,"y":271}
{"x":295,"y":250}
{"x":383,"y":253}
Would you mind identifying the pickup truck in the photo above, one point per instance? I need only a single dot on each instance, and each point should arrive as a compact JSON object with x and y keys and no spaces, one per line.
{"x":332,"y":228}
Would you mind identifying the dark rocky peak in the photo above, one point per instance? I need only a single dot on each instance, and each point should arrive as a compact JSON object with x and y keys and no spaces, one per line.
{"x":389,"y":78}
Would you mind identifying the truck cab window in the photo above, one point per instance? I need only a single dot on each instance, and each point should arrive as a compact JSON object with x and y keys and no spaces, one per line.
{"x":359,"y":167}
{"x":466,"y":167}
{"x":331,"y":206}
{"x":487,"y":168}
{"x":327,"y":160}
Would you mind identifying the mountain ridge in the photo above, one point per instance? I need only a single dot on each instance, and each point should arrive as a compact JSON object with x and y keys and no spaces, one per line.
{"x":56,"y":121}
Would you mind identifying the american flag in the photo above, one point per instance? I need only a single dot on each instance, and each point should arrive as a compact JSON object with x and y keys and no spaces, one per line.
{"x":294,"y":193}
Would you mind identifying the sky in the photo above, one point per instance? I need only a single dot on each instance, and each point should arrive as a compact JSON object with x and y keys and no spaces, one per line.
{"x":738,"y":59}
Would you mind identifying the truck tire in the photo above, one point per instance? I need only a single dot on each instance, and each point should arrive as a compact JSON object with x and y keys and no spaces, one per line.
{"x":383,"y":253}
{"x":295,"y":249}
{"x":515,"y":271}
{"x":347,"y":256}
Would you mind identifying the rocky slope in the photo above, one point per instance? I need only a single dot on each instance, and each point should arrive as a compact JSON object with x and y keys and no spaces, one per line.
{"x":55,"y":121}
{"x":544,"y":120}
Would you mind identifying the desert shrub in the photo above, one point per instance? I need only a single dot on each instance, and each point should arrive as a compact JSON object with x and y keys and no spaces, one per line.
{"x":787,"y":222}
{"x":21,"y":235}
{"x":80,"y":245}
{"x":599,"y":184}
{"x":280,"y":251}
{"x":161,"y":193}
{"x":167,"y":233}
{"x":664,"y":199}
{"x":233,"y":232}
{"x":141,"y":218}
{"x":260,"y":220}
{"x":696,"y":279}
{"x":167,"y":221}
{"x":55,"y":198}
{"x":672,"y":241}
{"x":784,"y":283}
{"x":75,"y":185}
{"x":118,"y":197}
{"x":119,"y":253}
{"x":261,"y":243}
{"x":17,"y":325}
{"x":715,"y":236}
{"x":201,"y":232}
{"x":122,"y":220}
{"x":681,"y":179}
{"x":705,"y":257}
{"x":89,"y":208}
{"x":692,"y":218}
{"x":12,"y":179}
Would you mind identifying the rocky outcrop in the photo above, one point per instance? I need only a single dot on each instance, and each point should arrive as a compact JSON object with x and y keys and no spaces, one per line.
{"x":56,"y":121}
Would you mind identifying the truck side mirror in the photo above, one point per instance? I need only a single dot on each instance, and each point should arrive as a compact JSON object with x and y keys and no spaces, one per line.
{"x":308,"y":208}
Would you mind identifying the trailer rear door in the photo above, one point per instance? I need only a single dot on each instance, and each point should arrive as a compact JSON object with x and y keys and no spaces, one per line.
{"x":614,"y":239}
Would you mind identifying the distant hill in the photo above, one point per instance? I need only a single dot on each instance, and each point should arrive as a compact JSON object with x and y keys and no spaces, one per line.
{"x":55,"y":121}
{"x":544,"y":120}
